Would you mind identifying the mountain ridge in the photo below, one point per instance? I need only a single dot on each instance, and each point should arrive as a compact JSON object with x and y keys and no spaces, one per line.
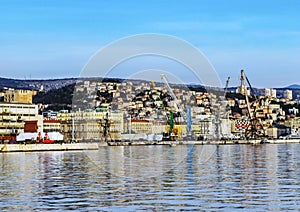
{"x":293,"y":86}
{"x":50,"y":84}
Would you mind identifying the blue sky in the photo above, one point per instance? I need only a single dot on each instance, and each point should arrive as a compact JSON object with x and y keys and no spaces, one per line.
{"x":56,"y":38}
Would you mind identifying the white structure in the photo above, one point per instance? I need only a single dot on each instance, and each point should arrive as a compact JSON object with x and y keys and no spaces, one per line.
{"x":270,"y":92}
{"x":288,"y":94}
{"x":56,"y":136}
{"x":294,"y":111}
{"x":14,"y":115}
{"x":273,"y":93}
{"x":267,"y":92}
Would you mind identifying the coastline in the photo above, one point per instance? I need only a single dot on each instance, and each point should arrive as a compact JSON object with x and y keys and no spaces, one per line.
{"x":6,"y":148}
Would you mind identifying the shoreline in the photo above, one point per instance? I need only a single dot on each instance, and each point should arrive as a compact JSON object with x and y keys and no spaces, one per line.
{"x":5,"y":148}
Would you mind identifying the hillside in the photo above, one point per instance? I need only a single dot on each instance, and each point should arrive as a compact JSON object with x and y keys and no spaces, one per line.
{"x":56,"y":99}
{"x":294,"y":86}
{"x":48,"y":84}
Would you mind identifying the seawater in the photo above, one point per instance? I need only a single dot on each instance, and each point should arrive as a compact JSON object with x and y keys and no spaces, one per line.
{"x":153,"y":178}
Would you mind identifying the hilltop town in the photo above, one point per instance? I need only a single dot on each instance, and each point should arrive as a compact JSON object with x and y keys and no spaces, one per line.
{"x":114,"y":109}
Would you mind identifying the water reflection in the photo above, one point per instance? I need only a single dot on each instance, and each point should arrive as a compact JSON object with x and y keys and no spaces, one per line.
{"x":262,"y":177}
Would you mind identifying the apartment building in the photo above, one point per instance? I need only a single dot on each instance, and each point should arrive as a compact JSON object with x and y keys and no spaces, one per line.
{"x":19,"y":96}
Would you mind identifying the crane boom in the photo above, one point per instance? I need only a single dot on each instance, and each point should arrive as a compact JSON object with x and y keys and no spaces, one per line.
{"x":252,"y":90}
{"x":177,"y":105}
{"x":255,"y":129}
{"x":226,"y":86}
{"x":243,"y":90}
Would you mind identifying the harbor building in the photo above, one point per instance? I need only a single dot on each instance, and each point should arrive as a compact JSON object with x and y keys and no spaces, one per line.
{"x":50,"y":125}
{"x":13,"y":117}
{"x":141,"y":126}
{"x":90,"y":125}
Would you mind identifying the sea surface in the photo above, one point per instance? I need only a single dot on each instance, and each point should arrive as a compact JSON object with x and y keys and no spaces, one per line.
{"x":153,"y":178}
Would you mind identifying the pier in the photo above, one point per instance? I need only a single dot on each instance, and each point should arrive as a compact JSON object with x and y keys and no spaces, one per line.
{"x":49,"y":147}
{"x":98,"y":145}
{"x":208,"y":142}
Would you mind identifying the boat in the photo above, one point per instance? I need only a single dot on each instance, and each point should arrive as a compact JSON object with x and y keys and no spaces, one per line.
{"x":38,"y":137}
{"x":48,"y":141}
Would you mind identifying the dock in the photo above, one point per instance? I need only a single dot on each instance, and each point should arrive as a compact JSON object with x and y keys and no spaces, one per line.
{"x":50,"y":147}
{"x":98,"y":145}
{"x":206,"y":142}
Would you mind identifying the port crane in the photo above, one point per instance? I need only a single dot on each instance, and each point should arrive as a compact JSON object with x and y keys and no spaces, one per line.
{"x":255,"y":128}
{"x":226,"y":87}
{"x":179,"y":108}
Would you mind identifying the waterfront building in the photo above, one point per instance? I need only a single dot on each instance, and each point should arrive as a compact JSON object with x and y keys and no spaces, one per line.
{"x":275,"y":131}
{"x":90,"y":125}
{"x":295,"y":125}
{"x":141,"y":126}
{"x":51,"y":125}
{"x":13,"y":117}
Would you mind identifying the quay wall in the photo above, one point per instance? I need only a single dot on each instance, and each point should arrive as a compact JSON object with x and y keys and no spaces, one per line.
{"x":96,"y":146}
{"x":49,"y":147}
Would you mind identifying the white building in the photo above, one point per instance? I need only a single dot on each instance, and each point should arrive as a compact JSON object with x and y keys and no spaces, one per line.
{"x":270,"y":92}
{"x":267,"y":92}
{"x":288,"y":94}
{"x":273,"y":93}
{"x":13,"y":117}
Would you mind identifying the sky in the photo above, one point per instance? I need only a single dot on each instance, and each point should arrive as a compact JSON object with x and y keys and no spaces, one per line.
{"x":44,"y":39}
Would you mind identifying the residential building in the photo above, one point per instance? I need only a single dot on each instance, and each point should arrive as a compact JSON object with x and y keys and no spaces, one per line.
{"x":267,"y":92}
{"x":273,"y":93}
{"x":288,"y":94}
{"x":19,"y":96}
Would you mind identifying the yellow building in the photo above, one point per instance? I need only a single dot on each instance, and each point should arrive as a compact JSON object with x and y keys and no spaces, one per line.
{"x":19,"y":96}
{"x":89,"y":125}
{"x":141,"y":126}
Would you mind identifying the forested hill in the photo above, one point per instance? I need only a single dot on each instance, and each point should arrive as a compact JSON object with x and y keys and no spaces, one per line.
{"x":56,"y":99}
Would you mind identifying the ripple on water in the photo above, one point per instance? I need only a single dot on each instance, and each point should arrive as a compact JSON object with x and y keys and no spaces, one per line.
{"x":257,"y":178}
